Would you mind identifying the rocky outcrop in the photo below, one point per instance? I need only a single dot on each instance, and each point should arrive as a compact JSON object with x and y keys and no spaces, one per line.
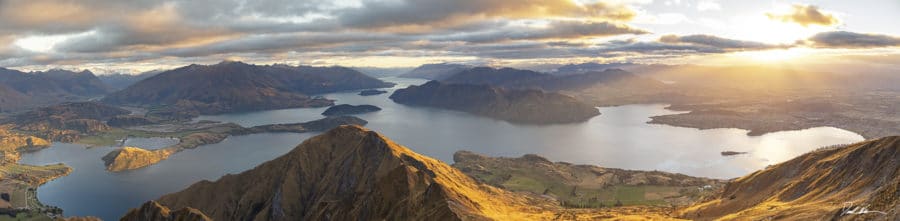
{"x":854,"y":182}
{"x":346,"y":109}
{"x":371,"y":92}
{"x":517,"y":106}
{"x":129,"y":158}
{"x":351,"y":173}
{"x":153,"y":211}
{"x":235,"y":86}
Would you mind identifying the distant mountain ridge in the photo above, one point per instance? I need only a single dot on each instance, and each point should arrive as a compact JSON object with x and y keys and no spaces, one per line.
{"x":236,"y":86}
{"x":436,"y":71}
{"x":121,"y":81}
{"x":46,"y":87}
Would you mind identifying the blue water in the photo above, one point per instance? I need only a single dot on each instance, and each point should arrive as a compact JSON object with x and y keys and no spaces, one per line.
{"x":618,"y":138}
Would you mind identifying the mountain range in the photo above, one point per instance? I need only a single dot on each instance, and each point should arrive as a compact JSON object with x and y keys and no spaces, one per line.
{"x":33,"y":89}
{"x":436,"y":71}
{"x":236,"y":86}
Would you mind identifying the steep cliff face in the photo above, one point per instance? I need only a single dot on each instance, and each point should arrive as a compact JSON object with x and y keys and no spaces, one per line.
{"x":351,"y":173}
{"x":517,"y":106}
{"x":833,"y":183}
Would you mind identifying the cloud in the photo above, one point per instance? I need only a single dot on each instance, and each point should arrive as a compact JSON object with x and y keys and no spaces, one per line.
{"x":805,"y":15}
{"x":717,"y":42}
{"x":708,"y":5}
{"x":845,"y":39}
{"x":552,"y":30}
{"x":689,"y":44}
{"x":416,"y":15}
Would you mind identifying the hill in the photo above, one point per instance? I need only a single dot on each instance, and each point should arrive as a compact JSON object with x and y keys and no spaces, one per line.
{"x":11,"y":99}
{"x":585,"y":185}
{"x":518,"y":106}
{"x":351,"y":173}
{"x":235,"y":86}
{"x":837,"y":183}
{"x":436,"y":71}
{"x":65,"y":122}
{"x":27,"y":90}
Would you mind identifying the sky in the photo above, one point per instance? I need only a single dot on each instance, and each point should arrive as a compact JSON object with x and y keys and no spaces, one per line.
{"x":108,"y":36}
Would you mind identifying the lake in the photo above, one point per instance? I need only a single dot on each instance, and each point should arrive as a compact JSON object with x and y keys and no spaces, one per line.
{"x":619,"y":137}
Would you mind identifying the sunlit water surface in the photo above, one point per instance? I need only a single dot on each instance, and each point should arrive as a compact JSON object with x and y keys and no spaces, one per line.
{"x":620,"y":138}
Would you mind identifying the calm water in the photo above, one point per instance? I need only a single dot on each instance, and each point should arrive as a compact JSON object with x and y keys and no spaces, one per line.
{"x":617,"y":138}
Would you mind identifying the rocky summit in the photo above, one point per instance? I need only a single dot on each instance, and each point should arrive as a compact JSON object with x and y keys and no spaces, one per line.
{"x":349,"y":173}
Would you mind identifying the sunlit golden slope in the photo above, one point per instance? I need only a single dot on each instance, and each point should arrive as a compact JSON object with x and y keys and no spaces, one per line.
{"x":833,"y":183}
{"x":351,"y":173}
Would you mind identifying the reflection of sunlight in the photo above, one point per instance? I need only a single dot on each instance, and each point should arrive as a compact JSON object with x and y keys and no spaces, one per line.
{"x":773,"y":149}
{"x":776,"y":55}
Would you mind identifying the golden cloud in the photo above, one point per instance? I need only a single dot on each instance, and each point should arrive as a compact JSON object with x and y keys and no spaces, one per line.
{"x":424,"y":15}
{"x":805,"y":15}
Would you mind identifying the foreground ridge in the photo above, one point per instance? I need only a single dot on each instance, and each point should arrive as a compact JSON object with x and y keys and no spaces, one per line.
{"x":857,"y":182}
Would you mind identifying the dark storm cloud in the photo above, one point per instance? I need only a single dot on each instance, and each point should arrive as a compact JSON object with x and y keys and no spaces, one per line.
{"x":845,"y":39}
